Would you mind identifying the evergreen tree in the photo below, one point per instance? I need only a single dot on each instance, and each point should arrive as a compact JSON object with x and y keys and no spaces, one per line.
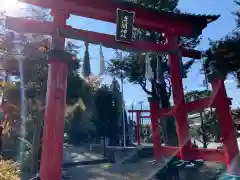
{"x":106,"y":119}
{"x":208,"y":120}
{"x":118,"y":98}
{"x":237,"y":14}
{"x":222,"y":58}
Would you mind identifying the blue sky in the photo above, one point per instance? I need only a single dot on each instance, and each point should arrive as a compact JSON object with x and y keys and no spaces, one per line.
{"x":216,"y":30}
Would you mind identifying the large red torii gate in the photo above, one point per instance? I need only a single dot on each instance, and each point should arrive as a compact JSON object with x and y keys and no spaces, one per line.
{"x":47,"y":28}
{"x":173,"y":25}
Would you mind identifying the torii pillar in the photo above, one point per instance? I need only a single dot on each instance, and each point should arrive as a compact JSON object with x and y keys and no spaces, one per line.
{"x":52,"y":150}
{"x":53,"y":133}
{"x":180,"y":114}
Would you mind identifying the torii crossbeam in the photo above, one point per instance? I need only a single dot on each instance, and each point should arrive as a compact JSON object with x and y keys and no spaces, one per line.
{"x":47,"y":28}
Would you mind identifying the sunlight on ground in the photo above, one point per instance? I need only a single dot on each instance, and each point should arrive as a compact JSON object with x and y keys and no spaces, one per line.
{"x":11,"y":6}
{"x":107,"y":166}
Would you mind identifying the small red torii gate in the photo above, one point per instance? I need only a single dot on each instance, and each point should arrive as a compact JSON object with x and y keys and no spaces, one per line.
{"x":138,"y":121}
{"x":219,"y":100}
{"x":173,"y":25}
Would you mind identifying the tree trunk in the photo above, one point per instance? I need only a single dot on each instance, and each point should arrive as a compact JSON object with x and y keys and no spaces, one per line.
{"x":168,"y":123}
{"x":104,"y":146}
{"x":204,"y":138}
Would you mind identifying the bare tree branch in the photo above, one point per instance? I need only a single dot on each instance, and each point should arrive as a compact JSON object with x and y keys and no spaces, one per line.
{"x":143,"y":86}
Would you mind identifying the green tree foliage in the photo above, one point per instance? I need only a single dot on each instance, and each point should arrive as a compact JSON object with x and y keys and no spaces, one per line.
{"x":237,"y":14}
{"x":236,"y":118}
{"x":209,"y":129}
{"x":236,"y":114}
{"x":196,"y":95}
{"x":223,"y":55}
{"x":115,"y":86}
{"x":78,"y":127}
{"x":145,"y":132}
{"x":106,"y":120}
{"x":169,"y":5}
{"x":96,"y":120}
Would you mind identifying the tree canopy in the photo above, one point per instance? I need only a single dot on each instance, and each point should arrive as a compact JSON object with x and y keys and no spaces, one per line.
{"x":223,"y":55}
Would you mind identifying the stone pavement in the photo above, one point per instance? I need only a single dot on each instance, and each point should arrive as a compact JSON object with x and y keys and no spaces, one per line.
{"x":140,"y":171}
{"x":87,"y":166}
{"x":73,"y":154}
{"x":103,"y":171}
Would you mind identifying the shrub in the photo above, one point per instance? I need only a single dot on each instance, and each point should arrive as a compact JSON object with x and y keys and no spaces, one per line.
{"x":9,"y":170}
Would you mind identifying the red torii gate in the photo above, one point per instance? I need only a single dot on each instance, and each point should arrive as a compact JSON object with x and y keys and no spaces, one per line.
{"x":173,"y":25}
{"x":218,"y":100}
{"x":138,"y":122}
{"x":190,"y":106}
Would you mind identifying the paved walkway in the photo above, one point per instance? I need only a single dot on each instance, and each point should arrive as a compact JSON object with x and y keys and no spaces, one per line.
{"x":142,"y":170}
{"x":139,"y":171}
{"x":73,"y":154}
{"x":104,"y":171}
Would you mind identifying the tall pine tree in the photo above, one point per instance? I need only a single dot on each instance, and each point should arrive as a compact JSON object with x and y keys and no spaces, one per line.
{"x":223,"y":55}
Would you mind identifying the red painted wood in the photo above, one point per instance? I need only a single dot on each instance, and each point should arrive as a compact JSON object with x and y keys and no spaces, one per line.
{"x":181,"y":115}
{"x":190,"y":106}
{"x":105,"y":10}
{"x":200,"y":104}
{"x":109,"y":41}
{"x":33,"y":26}
{"x":191,"y":53}
{"x":53,"y":133}
{"x":138,"y":128}
{"x":30,"y":26}
{"x":156,"y":139}
{"x":208,"y":154}
{"x":204,"y":103}
{"x":52,"y":152}
{"x":228,"y":130}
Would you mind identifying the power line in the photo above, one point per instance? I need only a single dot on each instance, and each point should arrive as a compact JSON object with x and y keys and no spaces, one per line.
{"x":230,"y":33}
